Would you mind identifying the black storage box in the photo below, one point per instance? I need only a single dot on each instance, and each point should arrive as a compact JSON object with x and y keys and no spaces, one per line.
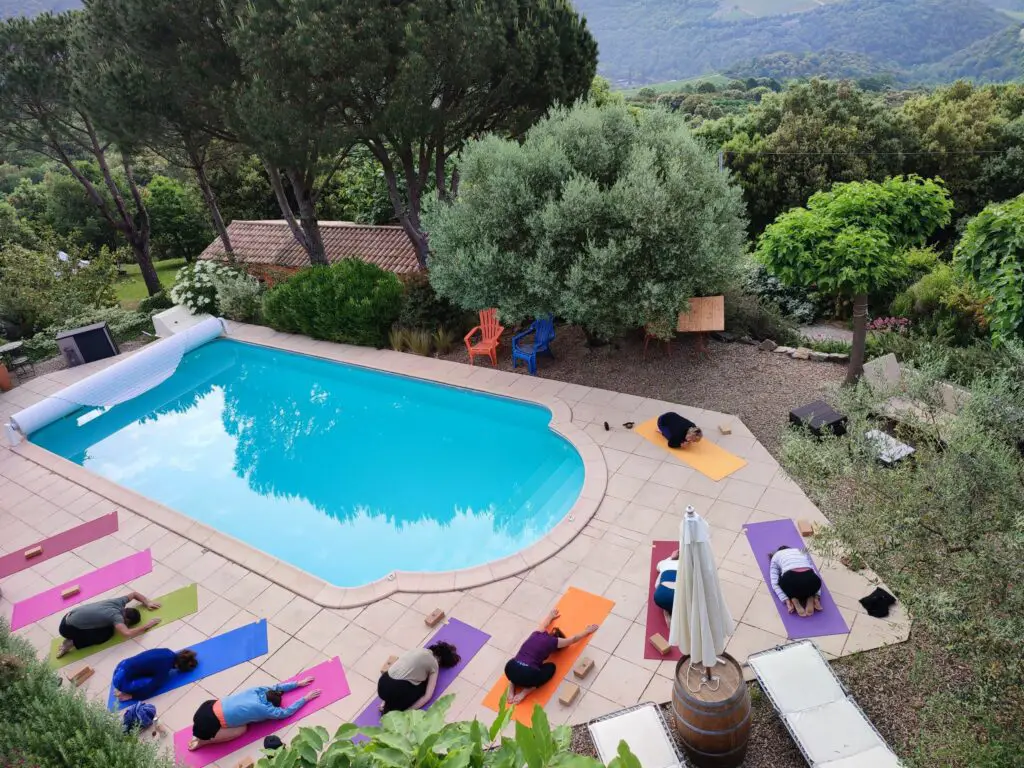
{"x":820,"y":417}
{"x":87,"y":344}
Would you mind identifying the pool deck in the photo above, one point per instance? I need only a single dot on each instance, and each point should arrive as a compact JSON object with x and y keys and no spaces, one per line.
{"x":634,"y":493}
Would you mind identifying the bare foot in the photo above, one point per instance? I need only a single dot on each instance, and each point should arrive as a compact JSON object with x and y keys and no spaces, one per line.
{"x":381,"y":707}
{"x":65,"y":648}
{"x":799,"y":608}
{"x":817,"y":603}
{"x":810,"y":608}
{"x":193,"y":745}
{"x":122,"y":696}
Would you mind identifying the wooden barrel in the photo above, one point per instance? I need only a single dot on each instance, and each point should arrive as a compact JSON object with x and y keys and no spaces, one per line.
{"x":714,"y":725}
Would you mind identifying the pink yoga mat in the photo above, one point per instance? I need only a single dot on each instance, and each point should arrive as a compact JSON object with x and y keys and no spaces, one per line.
{"x":330,"y":679}
{"x":660,"y":550}
{"x":99,"y":581}
{"x":65,"y":541}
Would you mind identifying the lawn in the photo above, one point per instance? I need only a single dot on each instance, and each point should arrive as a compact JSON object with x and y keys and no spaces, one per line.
{"x":131,"y":289}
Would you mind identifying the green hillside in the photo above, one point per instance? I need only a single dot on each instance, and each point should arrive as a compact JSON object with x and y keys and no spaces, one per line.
{"x":655,"y":40}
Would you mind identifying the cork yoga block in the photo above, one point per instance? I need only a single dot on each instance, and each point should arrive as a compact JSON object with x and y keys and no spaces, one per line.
{"x":660,"y":643}
{"x":434,"y":618}
{"x":725,"y":429}
{"x":246,"y":763}
{"x":583,"y":667}
{"x":79,"y":677}
{"x":34,"y":552}
{"x":568,"y":694}
{"x":70,"y":591}
{"x":806,"y":527}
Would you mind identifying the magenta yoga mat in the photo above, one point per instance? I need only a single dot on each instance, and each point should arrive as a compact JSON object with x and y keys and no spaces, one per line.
{"x":765,"y":538}
{"x":660,"y":550}
{"x":58,"y":544}
{"x":466,"y":639}
{"x":47,"y":603}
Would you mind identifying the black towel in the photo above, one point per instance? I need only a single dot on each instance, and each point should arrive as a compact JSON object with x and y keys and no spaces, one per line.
{"x":877,"y":604}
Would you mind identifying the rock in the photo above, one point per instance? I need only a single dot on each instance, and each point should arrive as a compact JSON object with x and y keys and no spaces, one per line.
{"x":747,"y":340}
{"x":783,"y":350}
{"x":801,"y":353}
{"x":767,"y":345}
{"x":819,"y":357}
{"x":838,"y":357}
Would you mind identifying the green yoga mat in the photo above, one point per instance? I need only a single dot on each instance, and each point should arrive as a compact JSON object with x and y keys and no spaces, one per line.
{"x":176,"y":605}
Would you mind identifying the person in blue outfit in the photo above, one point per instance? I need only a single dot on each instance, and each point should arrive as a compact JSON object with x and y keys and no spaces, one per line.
{"x":144,"y":675}
{"x":226,"y":719}
{"x":665,"y":591}
{"x":679,"y":431}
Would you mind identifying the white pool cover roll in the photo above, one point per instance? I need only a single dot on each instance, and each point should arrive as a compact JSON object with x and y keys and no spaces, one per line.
{"x":122,"y":381}
{"x":827,"y":725}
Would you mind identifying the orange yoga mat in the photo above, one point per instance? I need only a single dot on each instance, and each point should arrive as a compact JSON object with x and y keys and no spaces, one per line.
{"x":706,"y":457}
{"x":577,"y":609}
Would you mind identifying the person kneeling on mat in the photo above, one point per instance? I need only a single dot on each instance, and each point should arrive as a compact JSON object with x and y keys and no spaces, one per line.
{"x":794,"y":580}
{"x":411,"y":679}
{"x":220,"y":720}
{"x":680,"y":432}
{"x":95,"y":623}
{"x":143,"y":675}
{"x":530,"y":668}
{"x":665,"y":592}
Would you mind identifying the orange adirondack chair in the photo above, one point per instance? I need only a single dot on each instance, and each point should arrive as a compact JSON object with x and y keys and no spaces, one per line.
{"x":490,"y":334}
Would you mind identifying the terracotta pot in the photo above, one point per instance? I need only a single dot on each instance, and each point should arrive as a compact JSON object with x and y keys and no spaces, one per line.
{"x":5,"y":379}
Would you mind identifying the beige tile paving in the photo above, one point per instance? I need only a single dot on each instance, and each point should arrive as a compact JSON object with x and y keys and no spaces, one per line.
{"x":646,"y":493}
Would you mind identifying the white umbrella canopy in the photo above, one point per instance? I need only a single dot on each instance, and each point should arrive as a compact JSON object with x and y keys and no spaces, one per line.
{"x":701,"y":622}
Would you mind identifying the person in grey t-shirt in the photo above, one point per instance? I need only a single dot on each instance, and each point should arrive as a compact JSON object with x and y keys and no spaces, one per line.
{"x":95,"y":623}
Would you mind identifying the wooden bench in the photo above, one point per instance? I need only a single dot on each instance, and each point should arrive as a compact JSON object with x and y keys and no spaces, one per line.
{"x":706,"y":315}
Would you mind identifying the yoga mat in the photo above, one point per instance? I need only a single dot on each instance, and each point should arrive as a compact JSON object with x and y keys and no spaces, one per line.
{"x":330,"y":679}
{"x":65,"y":541}
{"x":706,"y":457}
{"x":47,"y":603}
{"x":765,"y":538}
{"x":173,"y":606}
{"x":214,"y":655}
{"x":660,"y":550}
{"x":468,"y":640}
{"x":578,"y":609}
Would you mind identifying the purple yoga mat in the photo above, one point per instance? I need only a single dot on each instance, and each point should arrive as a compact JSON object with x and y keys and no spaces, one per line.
{"x":767,"y":537}
{"x":468,"y":640}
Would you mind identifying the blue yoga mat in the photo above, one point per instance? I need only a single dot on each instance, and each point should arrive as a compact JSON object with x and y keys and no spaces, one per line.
{"x":214,"y":655}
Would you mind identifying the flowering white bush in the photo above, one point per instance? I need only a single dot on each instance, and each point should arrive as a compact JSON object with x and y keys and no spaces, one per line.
{"x":195,"y":286}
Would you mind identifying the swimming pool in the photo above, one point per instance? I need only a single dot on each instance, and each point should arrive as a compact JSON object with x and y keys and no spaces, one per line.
{"x":344,"y":472}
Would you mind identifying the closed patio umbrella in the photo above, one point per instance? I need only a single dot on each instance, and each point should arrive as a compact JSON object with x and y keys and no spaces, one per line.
{"x":701,"y":622}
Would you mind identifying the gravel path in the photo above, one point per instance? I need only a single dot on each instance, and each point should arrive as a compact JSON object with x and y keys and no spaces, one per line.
{"x":759,"y":387}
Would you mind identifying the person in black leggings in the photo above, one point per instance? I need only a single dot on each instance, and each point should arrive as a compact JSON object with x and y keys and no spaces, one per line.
{"x":794,"y":580}
{"x":530,"y":668}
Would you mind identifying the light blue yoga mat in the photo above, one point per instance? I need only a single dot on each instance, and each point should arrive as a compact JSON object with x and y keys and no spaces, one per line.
{"x":214,"y":655}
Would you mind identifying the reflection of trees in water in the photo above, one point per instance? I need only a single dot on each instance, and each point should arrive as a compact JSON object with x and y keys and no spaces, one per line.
{"x":295,"y":445}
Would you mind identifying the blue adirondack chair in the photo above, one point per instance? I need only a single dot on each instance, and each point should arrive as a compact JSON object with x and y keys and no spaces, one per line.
{"x":543,"y":331}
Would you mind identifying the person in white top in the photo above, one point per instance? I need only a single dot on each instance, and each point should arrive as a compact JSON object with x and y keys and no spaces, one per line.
{"x":665,"y":591}
{"x":794,"y":580}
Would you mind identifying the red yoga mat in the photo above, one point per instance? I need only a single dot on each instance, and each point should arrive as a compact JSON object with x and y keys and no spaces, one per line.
{"x":655,"y":616}
{"x":58,"y":544}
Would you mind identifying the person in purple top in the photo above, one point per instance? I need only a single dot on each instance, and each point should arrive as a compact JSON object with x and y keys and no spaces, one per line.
{"x":530,"y":668}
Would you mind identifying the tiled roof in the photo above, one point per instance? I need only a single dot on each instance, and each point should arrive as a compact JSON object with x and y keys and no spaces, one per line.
{"x":272,"y":242}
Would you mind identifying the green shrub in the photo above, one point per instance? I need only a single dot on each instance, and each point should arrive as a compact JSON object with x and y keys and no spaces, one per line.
{"x":748,"y":315}
{"x":125,"y":325}
{"x":960,"y":364}
{"x":195,"y":286}
{"x":351,"y":301}
{"x":444,"y":340}
{"x":800,"y":305}
{"x":46,"y":726}
{"x":239,"y":296}
{"x":837,"y":346}
{"x":422,"y":308}
{"x":947,"y":304}
{"x":156,"y":303}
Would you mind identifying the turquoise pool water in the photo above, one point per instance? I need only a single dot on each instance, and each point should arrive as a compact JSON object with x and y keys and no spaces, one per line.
{"x":344,"y":472}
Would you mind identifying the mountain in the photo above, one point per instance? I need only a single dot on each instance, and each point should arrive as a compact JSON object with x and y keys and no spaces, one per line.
{"x":10,"y":8}
{"x":652,"y":40}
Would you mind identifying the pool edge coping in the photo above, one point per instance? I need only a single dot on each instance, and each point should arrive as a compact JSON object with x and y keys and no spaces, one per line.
{"x":313,"y":588}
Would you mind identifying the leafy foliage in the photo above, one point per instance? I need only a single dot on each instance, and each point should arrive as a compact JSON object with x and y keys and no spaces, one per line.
{"x":239,"y":296}
{"x":195,"y":286}
{"x":423,"y":309}
{"x":44,"y":724}
{"x":351,"y":302}
{"x":180,"y":228}
{"x":596,"y":217}
{"x":853,"y":240}
{"x":946,"y":304}
{"x":155,"y":303}
{"x":992,"y":251}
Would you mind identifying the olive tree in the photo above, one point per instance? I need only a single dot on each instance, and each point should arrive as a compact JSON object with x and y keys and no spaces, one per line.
{"x":609,"y":221}
{"x":992,"y":252}
{"x":853,"y":240}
